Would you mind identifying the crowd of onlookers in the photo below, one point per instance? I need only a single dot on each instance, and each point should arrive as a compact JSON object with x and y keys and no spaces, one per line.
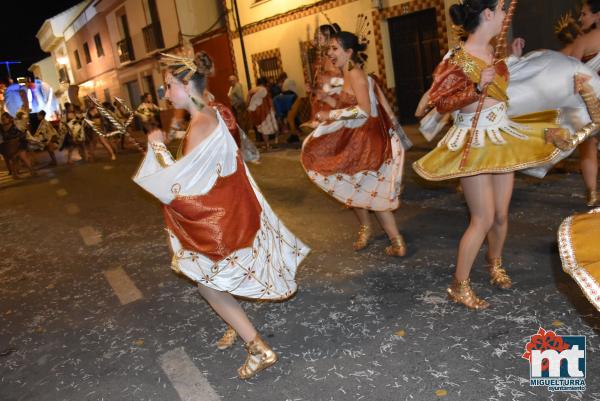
{"x":270,"y":108}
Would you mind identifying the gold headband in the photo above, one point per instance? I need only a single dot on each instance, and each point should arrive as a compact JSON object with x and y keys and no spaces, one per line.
{"x":179,"y":65}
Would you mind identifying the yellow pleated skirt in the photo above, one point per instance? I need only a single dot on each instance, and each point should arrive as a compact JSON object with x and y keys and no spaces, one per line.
{"x":500,"y":146}
{"x":578,"y":241}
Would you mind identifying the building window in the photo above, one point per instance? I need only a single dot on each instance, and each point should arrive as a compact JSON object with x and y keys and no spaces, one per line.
{"x":267,"y":65}
{"x":86,"y":52}
{"x":99,"y":48}
{"x":153,"y":37}
{"x":63,"y":75}
{"x":77,"y":60}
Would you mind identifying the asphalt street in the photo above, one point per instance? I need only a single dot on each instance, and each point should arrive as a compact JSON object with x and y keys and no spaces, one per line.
{"x":90,"y":309}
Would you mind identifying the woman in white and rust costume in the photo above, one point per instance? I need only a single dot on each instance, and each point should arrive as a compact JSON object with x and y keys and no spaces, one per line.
{"x":355,"y":153}
{"x":486,"y":158}
{"x":222,"y":232}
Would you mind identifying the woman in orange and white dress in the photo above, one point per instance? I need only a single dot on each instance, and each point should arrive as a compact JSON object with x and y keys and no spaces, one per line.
{"x":223,"y":233}
{"x":355,"y":154}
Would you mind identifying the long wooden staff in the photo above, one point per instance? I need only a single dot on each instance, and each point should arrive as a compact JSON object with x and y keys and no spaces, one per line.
{"x":498,"y":54}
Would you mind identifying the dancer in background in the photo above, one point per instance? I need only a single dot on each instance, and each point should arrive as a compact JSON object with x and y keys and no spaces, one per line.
{"x":94,"y":123}
{"x":354,"y":154}
{"x":327,"y":79}
{"x":223,"y":233}
{"x":47,"y":135}
{"x":586,"y":48}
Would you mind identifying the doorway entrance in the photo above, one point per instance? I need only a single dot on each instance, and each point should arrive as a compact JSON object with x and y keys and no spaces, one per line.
{"x":415,"y":54}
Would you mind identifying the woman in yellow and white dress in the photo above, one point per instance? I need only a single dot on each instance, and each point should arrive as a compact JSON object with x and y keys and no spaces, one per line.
{"x":578,"y":239}
{"x":497,"y":148}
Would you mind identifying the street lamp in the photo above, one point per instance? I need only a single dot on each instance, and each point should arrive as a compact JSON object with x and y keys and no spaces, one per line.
{"x":7,"y":64}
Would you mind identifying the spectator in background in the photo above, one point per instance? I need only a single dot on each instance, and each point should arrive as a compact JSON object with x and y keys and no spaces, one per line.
{"x":236,"y":97}
{"x":285,"y":100}
{"x":289,"y":85}
{"x":262,"y":114}
{"x":274,"y":87}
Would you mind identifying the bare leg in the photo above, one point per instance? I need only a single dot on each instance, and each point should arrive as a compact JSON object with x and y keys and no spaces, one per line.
{"x":107,"y":146}
{"x":479,"y":195}
{"x":82,"y":152}
{"x":228,"y":308}
{"x":266,"y":139}
{"x":25,"y":159}
{"x":365,"y":231}
{"x":588,"y":154}
{"x":503,"y":188}
{"x":50,"y":148}
{"x":13,"y":167}
{"x":363,"y":216}
{"x":8,"y":164}
{"x":91,"y":148}
{"x":388,"y":223}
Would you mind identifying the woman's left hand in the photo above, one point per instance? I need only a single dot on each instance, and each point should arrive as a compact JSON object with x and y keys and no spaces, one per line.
{"x":517,"y":46}
{"x":156,"y":136}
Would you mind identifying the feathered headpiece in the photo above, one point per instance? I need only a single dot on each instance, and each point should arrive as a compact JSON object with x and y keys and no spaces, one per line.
{"x":567,"y":28}
{"x":201,"y":64}
{"x":331,"y":24}
{"x":362,"y":29}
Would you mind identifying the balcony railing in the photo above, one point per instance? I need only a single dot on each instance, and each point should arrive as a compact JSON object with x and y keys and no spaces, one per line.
{"x":153,"y":37}
{"x":125,"y":50}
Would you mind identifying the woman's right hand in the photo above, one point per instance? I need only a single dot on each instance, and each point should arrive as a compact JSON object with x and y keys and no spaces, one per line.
{"x":487,"y":76}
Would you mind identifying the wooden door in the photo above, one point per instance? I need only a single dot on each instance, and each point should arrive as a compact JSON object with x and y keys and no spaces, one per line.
{"x":415,"y":54}
{"x":534,"y":21}
{"x":217,"y":47}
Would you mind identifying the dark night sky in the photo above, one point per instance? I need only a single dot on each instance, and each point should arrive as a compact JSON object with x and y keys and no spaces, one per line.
{"x":20,"y":24}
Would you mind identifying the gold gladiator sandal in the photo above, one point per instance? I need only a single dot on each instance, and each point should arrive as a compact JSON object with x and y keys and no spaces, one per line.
{"x":592,"y":198}
{"x":398,"y":247}
{"x":364,"y":235}
{"x":498,"y":275}
{"x":260,"y":357}
{"x":228,"y":339}
{"x":462,"y":293}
